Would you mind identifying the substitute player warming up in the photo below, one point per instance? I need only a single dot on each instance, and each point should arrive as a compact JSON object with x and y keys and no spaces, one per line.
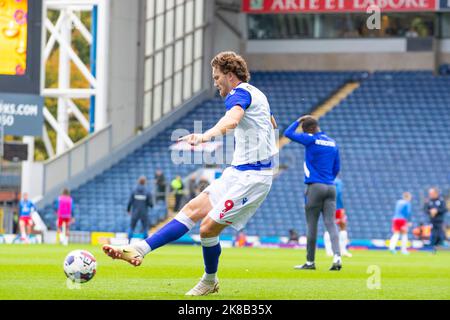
{"x":26,"y":207}
{"x":400,"y":223}
{"x":232,"y":199}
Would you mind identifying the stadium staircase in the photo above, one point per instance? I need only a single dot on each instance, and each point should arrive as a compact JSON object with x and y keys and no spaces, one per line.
{"x":391,"y":131}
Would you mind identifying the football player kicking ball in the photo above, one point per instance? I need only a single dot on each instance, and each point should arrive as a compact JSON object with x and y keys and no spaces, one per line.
{"x":232,"y":199}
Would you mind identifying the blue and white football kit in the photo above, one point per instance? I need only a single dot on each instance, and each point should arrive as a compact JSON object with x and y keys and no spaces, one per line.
{"x":241,"y":189}
{"x":235,"y":196}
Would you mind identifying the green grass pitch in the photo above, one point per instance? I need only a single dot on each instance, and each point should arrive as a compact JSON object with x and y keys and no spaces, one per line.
{"x":35,"y":272}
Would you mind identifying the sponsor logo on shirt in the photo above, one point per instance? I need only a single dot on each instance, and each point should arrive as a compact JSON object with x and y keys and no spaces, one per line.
{"x":244,"y":201}
{"x":325,"y":143}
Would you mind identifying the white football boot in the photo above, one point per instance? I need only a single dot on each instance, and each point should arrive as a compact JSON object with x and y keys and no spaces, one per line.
{"x":204,"y":288}
{"x":127,"y":253}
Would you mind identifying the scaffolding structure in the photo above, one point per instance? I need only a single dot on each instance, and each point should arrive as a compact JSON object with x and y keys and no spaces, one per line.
{"x":60,"y":34}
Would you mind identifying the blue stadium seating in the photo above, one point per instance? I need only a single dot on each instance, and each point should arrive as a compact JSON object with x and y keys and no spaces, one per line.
{"x":393,"y":135}
{"x":392,"y":131}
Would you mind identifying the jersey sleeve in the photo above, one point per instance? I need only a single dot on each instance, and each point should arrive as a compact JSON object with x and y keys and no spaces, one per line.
{"x":238,"y":97}
{"x":303,"y":138}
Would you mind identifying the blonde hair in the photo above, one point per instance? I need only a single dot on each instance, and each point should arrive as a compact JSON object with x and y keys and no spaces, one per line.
{"x":407,"y":195}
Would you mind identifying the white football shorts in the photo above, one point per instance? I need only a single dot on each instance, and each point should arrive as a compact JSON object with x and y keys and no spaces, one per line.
{"x":237,"y":194}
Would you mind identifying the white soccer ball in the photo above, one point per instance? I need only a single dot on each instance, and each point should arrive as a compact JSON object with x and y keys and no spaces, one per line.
{"x":80,"y":266}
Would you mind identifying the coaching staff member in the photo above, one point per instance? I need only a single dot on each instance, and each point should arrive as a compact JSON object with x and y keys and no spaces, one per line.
{"x":321,"y":167}
{"x":140,"y":200}
{"x":436,"y":209}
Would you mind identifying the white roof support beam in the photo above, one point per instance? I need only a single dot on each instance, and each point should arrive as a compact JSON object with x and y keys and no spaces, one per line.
{"x":52,"y":40}
{"x":57,"y":32}
{"x":81,"y":27}
{"x":47,"y":143}
{"x":77,"y":113}
{"x":73,"y":56}
{"x":55,"y":125}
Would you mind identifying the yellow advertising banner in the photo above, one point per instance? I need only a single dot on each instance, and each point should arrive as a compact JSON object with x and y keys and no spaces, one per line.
{"x":101,"y":237}
{"x":13,"y":36}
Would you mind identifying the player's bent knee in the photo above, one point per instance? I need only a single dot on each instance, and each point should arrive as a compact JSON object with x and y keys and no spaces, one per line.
{"x":208,"y":234}
{"x":208,"y":231}
{"x":209,"y":228}
{"x":205,"y":231}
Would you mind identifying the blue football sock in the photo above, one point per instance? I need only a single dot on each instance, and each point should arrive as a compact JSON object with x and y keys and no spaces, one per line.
{"x":168,"y":233}
{"x":211,"y":258}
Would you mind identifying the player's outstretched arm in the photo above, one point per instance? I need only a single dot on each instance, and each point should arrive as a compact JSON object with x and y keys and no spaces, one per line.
{"x":228,"y":122}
